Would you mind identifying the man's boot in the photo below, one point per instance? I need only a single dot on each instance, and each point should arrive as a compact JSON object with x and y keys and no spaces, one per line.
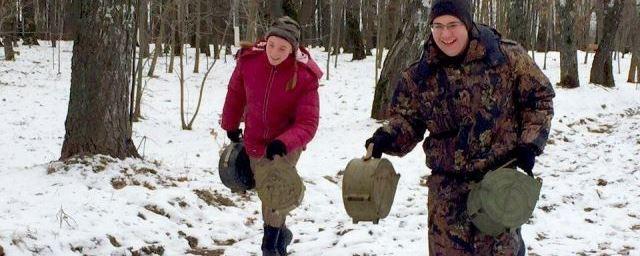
{"x":284,"y":239}
{"x":523,"y":248}
{"x":270,"y":240}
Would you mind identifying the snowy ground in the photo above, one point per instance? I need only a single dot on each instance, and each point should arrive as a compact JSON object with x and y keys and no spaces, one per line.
{"x":173,"y":203}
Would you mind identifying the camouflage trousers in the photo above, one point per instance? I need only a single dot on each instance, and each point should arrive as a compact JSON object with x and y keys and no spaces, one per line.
{"x":270,"y":216}
{"x":450,"y":230}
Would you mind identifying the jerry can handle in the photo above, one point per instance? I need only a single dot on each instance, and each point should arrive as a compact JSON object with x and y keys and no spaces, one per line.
{"x":508,"y":163}
{"x":369,"y":152}
{"x":227,"y":158}
{"x":359,"y":198}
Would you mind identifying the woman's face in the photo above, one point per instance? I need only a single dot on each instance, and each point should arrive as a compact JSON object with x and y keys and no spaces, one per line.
{"x":278,"y":49}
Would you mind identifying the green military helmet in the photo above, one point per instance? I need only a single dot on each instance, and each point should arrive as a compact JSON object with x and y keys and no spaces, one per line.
{"x":503,"y":200}
{"x":279,"y":186}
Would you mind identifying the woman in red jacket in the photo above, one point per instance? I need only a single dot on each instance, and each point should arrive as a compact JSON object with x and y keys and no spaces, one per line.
{"x":274,"y":87}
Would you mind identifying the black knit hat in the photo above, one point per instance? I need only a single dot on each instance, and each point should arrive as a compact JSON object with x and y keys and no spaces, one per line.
{"x":461,"y":9}
{"x":287,"y":28}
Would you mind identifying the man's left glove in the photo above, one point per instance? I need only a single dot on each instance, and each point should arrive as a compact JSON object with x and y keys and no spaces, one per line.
{"x":274,"y":148}
{"x":526,"y":158}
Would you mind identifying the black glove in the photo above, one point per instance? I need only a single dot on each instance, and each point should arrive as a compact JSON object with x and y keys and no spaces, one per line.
{"x":234,"y":135}
{"x":274,"y":148}
{"x":526,"y":158}
{"x":381,"y":141}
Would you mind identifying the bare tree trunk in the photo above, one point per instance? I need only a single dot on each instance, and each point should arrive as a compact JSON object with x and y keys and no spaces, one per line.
{"x":40,"y":18}
{"x":517,"y":22}
{"x":393,"y":19}
{"x":178,"y":42}
{"x":368,"y":24}
{"x":100,"y":75}
{"x":330,"y":35}
{"x":550,"y":15}
{"x":307,"y":15}
{"x":291,"y":8}
{"x":222,"y":12}
{"x":406,"y":49}
{"x":204,"y":80}
{"x":51,"y":21}
{"x":137,"y":112}
{"x":206,"y":27}
{"x":176,"y":45}
{"x":181,"y":78}
{"x":634,"y":68}
{"x":541,"y":41}
{"x":626,"y":28}
{"x":196,"y":67}
{"x":486,"y":14}
{"x":344,"y":44}
{"x":252,"y":20}
{"x":29,"y":17}
{"x":337,"y":24}
{"x":68,"y":21}
{"x":158,"y":40}
{"x":353,"y":27}
{"x":601,"y":70}
{"x":276,"y":9}
{"x":7,"y":23}
{"x":502,"y":20}
{"x":600,"y":16}
{"x":532,"y":17}
{"x":381,"y":36}
{"x":143,"y":28}
{"x":325,"y":23}
{"x":568,"y":56}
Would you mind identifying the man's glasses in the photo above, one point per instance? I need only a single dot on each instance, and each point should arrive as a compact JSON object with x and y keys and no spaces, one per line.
{"x":439,"y":27}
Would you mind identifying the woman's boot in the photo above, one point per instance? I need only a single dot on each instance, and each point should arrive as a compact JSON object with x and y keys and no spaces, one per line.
{"x":270,"y":241}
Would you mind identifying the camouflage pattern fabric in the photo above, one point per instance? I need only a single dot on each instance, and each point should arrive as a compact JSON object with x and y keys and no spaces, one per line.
{"x":498,"y":99}
{"x":477,"y":114}
{"x":451,"y":232}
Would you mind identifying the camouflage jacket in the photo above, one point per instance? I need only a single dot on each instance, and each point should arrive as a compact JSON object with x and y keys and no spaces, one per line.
{"x":476,"y":112}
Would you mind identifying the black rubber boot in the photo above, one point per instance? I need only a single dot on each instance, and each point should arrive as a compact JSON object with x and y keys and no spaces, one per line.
{"x":523,"y":247}
{"x":270,"y":241}
{"x":284,"y":239}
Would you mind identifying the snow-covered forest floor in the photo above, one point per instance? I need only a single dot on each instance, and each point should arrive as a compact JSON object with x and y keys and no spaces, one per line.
{"x":173,"y":202}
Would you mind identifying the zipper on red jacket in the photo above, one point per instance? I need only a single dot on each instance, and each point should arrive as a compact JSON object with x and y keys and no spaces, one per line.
{"x":266,"y":102}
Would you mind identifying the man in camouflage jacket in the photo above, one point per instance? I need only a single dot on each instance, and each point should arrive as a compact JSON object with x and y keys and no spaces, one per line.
{"x":484,"y":102}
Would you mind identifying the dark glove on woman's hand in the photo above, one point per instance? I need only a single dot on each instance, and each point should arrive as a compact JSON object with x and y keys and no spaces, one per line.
{"x":234,"y":135}
{"x":526,"y":159}
{"x":381,"y":141}
{"x":274,"y":148}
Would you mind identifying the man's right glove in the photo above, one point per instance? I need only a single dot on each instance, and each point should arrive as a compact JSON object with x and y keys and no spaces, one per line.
{"x":381,"y":142}
{"x":234,"y":135}
{"x":526,"y":158}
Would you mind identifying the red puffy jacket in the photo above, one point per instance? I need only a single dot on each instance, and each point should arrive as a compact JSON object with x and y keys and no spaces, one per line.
{"x":257,"y":91}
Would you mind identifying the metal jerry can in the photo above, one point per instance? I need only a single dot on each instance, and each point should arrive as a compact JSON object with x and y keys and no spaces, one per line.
{"x":368,"y":188}
{"x":279,"y":186}
{"x":234,"y":168}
